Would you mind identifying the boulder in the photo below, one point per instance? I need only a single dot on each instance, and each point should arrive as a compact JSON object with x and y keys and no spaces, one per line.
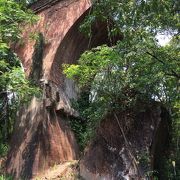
{"x":127,"y":144}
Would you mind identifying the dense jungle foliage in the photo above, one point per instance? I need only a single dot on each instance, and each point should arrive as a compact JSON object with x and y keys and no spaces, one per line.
{"x":136,"y":67}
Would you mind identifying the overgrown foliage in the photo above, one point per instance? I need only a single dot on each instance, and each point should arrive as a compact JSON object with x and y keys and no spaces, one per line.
{"x":14,"y":87}
{"x":136,"y":67}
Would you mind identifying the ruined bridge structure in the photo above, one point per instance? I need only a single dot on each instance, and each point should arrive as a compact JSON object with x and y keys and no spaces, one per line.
{"x":42,"y":136}
{"x":63,"y":42}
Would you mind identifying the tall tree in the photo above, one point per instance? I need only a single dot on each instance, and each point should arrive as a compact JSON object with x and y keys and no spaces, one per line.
{"x":138,"y":66}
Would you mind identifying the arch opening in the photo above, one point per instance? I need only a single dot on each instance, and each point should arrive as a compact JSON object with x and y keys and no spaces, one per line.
{"x":71,"y":48}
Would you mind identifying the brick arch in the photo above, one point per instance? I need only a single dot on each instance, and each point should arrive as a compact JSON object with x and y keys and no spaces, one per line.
{"x":58,"y":23}
{"x":56,"y":17}
{"x":72,"y":46}
{"x":63,"y":42}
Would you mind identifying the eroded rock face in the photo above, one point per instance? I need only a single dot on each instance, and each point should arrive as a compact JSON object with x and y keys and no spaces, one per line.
{"x":42,"y":138}
{"x":125,"y":145}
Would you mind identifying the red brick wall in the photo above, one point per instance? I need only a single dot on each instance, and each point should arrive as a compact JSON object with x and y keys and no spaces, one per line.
{"x":54,"y":23}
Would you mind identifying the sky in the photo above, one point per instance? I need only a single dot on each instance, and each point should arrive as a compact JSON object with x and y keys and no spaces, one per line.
{"x":163,"y":39}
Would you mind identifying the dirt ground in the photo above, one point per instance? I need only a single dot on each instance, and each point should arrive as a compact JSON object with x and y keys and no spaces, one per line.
{"x":65,"y":171}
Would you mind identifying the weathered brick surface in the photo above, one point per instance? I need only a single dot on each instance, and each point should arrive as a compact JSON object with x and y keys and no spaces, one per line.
{"x":54,"y":23}
{"x":41,"y":5}
{"x":42,"y":138}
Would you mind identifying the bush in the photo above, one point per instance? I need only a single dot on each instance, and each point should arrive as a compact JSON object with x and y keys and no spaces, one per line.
{"x":3,"y":150}
{"x":5,"y":177}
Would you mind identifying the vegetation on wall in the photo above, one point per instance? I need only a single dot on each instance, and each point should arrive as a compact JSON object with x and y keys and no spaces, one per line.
{"x":14,"y":87}
{"x":37,"y":57}
{"x":136,"y":67}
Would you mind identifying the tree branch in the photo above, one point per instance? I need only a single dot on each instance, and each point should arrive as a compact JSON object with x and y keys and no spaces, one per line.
{"x":173,"y":73}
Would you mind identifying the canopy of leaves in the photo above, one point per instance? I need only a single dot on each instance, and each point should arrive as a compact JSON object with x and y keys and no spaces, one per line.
{"x":134,"y":16}
{"x":12,"y":15}
{"x":137,"y":66}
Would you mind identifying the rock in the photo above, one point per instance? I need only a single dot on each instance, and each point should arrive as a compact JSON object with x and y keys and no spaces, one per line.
{"x":125,"y":145}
